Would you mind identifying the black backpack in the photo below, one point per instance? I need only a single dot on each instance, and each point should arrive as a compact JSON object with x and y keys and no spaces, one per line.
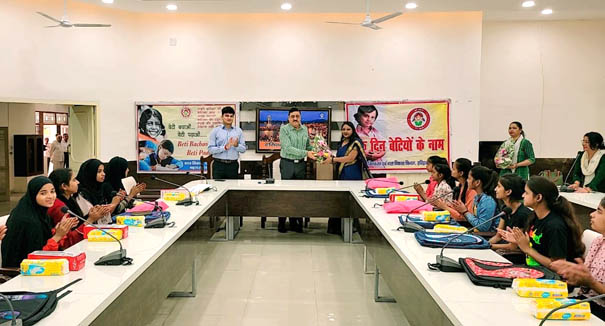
{"x":500,"y":274}
{"x":31,"y":307}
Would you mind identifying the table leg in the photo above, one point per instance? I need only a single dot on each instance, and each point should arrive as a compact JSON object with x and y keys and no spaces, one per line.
{"x":377,"y":297}
{"x":177,"y":294}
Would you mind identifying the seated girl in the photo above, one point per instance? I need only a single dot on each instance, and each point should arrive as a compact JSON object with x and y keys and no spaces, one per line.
{"x":553,"y":230}
{"x":430,"y":164}
{"x":462,"y":191}
{"x":162,"y":159}
{"x":483,"y":181}
{"x":589,"y":274}
{"x":29,"y":228}
{"x":90,"y":190}
{"x":510,"y":191}
{"x":117,"y":169}
{"x":66,"y":185}
{"x":442,"y":175}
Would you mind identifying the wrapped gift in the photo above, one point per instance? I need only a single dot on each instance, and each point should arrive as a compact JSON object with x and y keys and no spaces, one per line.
{"x":102,"y":236}
{"x":541,"y":307}
{"x":439,"y":216}
{"x":44,"y":267}
{"x":539,"y":288}
{"x":397,"y":196}
{"x":448,"y":228}
{"x":76,"y":261}
{"x":123,"y":228}
{"x":131,"y":220}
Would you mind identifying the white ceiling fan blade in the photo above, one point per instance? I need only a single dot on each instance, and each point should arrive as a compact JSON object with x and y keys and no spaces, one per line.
{"x":52,"y":26}
{"x":387,"y":17}
{"x":49,"y":17}
{"x":373,"y":26}
{"x":342,"y":23}
{"x":91,"y":25}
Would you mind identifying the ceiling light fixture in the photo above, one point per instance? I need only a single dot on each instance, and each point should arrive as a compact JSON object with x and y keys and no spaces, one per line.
{"x":547,"y":11}
{"x":286,"y":6}
{"x":171,"y":7}
{"x":411,"y":5}
{"x":528,"y":4}
{"x":108,"y":1}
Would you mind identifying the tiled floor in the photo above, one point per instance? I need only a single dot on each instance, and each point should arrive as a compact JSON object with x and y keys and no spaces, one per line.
{"x":267,"y":278}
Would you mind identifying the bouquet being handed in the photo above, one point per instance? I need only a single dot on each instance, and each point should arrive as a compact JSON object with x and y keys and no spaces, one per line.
{"x":321,"y":148}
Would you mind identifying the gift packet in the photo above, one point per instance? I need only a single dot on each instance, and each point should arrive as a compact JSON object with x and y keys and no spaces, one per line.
{"x":384,"y":191}
{"x":439,"y":216}
{"x":448,"y":228}
{"x":44,"y":267}
{"x":539,"y":288}
{"x":131,"y":220}
{"x":102,"y":236}
{"x":123,"y":228}
{"x":76,"y":261}
{"x":397,"y":196}
{"x":541,"y":307}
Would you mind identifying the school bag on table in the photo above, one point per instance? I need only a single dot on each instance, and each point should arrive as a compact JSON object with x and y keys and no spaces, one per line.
{"x":501,"y":274}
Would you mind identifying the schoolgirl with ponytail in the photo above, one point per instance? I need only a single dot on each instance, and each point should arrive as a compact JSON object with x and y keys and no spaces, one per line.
{"x":483,"y":181}
{"x":553,"y":231}
{"x":509,"y":192}
{"x":462,"y":192}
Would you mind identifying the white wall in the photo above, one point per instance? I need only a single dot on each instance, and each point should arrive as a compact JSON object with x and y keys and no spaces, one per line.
{"x":548,"y":75}
{"x":265,"y":57}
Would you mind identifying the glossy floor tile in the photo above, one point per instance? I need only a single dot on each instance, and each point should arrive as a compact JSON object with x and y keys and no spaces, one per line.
{"x":269,"y":278}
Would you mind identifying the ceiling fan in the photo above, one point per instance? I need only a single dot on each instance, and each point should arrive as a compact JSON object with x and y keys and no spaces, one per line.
{"x":368,"y":22}
{"x":64,"y":21}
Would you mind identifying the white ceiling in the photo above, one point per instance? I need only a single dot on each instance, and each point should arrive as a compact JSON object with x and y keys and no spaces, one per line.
{"x":493,"y":9}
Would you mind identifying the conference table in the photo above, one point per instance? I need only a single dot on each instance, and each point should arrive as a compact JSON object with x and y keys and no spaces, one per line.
{"x":130,"y":295}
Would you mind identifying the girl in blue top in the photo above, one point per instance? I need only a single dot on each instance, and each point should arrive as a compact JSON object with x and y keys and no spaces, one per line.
{"x":483,"y":181}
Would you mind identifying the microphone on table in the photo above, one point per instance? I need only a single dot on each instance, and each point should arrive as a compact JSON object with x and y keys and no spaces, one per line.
{"x":114,"y":258}
{"x":565,"y":186}
{"x":14,"y":321}
{"x":569,"y":305}
{"x":446,"y":264}
{"x":201,"y":175}
{"x":184,"y":202}
{"x":414,"y":227}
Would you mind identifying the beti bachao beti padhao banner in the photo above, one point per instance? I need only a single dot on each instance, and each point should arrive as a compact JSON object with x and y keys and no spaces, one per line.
{"x":400,"y":136}
{"x":171,"y":137}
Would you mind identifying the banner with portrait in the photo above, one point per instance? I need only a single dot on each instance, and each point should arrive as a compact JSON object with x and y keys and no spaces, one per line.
{"x":171,"y":137}
{"x":400,"y":136}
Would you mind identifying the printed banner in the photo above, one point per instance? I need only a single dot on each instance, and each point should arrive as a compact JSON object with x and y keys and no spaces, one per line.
{"x":172,"y":137}
{"x":400,"y":136}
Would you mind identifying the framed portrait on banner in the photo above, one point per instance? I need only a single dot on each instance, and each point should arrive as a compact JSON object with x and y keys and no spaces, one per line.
{"x":400,"y":136}
{"x":171,"y":137}
{"x":269,"y":120}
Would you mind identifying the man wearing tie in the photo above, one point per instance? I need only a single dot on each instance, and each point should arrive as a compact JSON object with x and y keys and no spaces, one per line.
{"x":225,"y":143}
{"x":295,"y":146}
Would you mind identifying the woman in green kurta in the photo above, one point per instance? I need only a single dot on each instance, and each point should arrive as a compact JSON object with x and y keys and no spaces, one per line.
{"x":589,"y":172}
{"x":516,"y":154}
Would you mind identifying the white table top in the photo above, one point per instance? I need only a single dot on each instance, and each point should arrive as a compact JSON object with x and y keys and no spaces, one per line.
{"x":463,"y":302}
{"x":590,"y":200}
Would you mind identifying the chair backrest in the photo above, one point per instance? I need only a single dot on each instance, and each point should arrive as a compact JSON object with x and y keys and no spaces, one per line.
{"x":2,"y":222}
{"x":208,"y":160}
{"x":267,"y":163}
{"x":587,"y":238}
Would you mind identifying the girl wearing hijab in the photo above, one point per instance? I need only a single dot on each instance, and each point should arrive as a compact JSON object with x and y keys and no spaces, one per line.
{"x":117,"y":169}
{"x":90,"y":193}
{"x":29,"y":226}
{"x":66,"y":185}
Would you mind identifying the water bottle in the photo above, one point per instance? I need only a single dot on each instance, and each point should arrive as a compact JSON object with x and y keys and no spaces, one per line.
{"x":205,"y":167}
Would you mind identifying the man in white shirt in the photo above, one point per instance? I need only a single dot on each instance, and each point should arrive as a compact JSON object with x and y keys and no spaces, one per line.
{"x":65,"y":146}
{"x":56,"y":153}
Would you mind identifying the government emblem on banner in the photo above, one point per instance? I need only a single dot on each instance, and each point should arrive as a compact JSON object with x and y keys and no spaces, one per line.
{"x":419,"y":119}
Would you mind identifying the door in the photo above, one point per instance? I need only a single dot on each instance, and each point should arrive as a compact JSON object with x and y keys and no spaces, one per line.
{"x":82,"y":135}
{"x":4,"y":175}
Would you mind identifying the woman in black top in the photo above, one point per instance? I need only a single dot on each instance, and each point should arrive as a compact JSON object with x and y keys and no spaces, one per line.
{"x":553,"y":230}
{"x":510,"y":191}
{"x":117,"y":169}
{"x":90,"y":191}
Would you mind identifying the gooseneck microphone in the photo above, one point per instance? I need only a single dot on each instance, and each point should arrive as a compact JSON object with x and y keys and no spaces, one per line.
{"x":14,"y":321}
{"x":565,"y":186}
{"x":184,"y":202}
{"x":414,"y":227}
{"x":114,"y":258}
{"x":202,"y":177}
{"x":446,"y":264}
{"x":569,"y":305}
